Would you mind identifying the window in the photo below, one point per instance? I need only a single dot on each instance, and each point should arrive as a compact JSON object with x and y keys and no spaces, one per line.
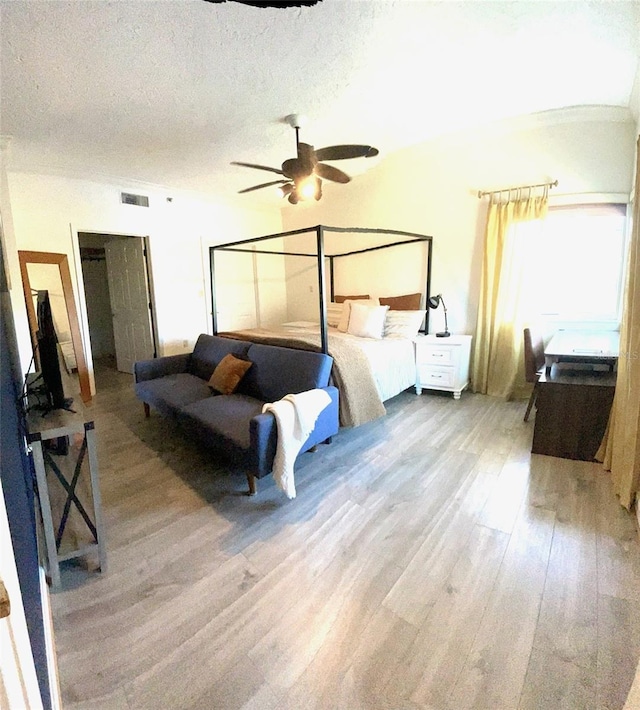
{"x":579,"y":265}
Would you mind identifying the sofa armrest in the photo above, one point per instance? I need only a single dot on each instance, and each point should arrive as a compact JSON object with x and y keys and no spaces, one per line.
{"x":263,"y":432}
{"x":327,"y":423}
{"x":144,"y":370}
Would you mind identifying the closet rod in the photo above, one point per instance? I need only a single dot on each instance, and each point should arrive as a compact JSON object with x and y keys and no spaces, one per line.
{"x":483,"y":193}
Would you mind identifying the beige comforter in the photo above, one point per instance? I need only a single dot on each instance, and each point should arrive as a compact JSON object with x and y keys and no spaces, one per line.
{"x":359,"y":399}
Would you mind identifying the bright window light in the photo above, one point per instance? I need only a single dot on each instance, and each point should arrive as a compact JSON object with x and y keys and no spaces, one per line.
{"x":578,"y":265}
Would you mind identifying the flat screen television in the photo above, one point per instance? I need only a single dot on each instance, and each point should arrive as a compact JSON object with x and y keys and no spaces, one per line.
{"x":50,"y":388}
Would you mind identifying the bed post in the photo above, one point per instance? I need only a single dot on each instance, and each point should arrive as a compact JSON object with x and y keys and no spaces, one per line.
{"x":428,"y":286}
{"x":214,"y":315}
{"x":321,"y":294}
{"x":331,"y":282}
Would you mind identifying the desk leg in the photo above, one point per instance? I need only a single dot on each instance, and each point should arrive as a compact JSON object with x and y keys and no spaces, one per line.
{"x":45,"y":511}
{"x":548,"y":364}
{"x":90,"y":436}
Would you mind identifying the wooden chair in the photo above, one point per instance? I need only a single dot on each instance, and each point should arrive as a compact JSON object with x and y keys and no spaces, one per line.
{"x":533,"y":364}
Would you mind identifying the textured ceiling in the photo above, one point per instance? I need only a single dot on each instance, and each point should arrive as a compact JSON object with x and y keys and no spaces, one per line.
{"x":170,"y":91}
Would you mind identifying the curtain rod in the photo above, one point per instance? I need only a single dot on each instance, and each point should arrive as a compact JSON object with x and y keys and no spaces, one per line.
{"x":482,"y":193}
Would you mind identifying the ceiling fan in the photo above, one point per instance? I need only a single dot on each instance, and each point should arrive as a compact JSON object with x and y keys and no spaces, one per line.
{"x":303,"y":175}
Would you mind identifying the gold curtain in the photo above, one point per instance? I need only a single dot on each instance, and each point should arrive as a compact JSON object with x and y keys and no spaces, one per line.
{"x":504,"y":309}
{"x":620,"y":449}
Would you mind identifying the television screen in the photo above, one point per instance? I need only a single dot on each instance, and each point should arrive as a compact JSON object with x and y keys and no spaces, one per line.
{"x":48,"y":354}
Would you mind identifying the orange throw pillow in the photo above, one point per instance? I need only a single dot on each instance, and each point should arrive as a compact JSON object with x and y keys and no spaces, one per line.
{"x":228,"y":373}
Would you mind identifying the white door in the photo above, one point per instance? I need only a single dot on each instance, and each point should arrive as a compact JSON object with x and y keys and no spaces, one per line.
{"x":130,"y":303}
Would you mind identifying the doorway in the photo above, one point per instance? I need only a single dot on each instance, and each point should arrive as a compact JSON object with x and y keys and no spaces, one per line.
{"x":120,"y":314}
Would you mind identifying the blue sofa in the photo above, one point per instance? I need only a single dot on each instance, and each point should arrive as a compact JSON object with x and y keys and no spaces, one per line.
{"x":177,"y":386}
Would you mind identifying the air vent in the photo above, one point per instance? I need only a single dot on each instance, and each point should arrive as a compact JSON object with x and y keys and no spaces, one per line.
{"x":128,"y":198}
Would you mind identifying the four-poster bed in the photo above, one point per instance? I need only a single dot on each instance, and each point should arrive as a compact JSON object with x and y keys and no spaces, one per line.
{"x":367,"y":370}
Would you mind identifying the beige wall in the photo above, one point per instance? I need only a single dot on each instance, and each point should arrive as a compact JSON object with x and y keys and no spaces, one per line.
{"x":48,"y":211}
{"x":432,"y":188}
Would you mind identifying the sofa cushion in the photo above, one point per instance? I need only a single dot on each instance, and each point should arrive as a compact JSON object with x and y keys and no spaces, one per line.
{"x":224,"y":416}
{"x":172,"y":392}
{"x":228,"y":373}
{"x":209,"y":351}
{"x":278,"y":371}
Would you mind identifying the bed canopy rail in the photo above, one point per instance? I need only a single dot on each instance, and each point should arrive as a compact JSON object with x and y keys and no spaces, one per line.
{"x":323,"y":254}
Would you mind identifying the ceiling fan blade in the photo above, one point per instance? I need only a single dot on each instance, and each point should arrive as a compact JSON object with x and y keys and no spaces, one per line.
{"x":258,"y":167}
{"x":296,"y":168}
{"x":328,"y":172}
{"x":306,"y":154}
{"x":342,"y":152}
{"x":264,"y":184}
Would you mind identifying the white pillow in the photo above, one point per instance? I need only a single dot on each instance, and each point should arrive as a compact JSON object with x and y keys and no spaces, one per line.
{"x":334,"y":311}
{"x":403,"y":324}
{"x":343,"y":324}
{"x":367,"y":321}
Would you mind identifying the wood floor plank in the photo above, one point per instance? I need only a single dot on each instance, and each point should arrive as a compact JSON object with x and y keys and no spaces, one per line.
{"x":618,"y":650}
{"x":618,"y":544}
{"x":556,"y":683}
{"x":563,"y":664}
{"x":495,"y":669}
{"x":433,"y":663}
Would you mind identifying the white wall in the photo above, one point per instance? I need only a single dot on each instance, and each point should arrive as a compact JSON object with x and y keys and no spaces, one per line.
{"x":386,"y":272}
{"x":432,"y":188}
{"x":634,"y":104}
{"x":49,"y":211}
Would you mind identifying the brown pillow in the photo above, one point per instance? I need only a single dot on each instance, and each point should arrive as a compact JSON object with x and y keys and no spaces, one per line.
{"x":228,"y":373}
{"x":342,"y":299}
{"x":409,"y":302}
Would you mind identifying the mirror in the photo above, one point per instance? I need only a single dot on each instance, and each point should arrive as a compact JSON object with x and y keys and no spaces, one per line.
{"x":46,"y":271}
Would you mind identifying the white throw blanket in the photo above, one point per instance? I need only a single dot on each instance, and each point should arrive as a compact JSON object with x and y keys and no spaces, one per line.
{"x":296,"y":415}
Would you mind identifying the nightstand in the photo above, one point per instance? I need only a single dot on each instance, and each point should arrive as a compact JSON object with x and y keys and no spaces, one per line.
{"x":442,"y":363}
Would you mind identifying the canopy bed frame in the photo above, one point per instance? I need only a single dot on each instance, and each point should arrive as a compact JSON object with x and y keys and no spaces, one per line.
{"x":322,"y":255}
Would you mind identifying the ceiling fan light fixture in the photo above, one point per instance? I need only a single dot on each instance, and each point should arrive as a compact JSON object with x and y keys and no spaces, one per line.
{"x":307,"y":188}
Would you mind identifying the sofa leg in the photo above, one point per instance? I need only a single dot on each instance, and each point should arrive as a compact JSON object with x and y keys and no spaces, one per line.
{"x":313,"y":449}
{"x":327,"y":440}
{"x":147,"y":411}
{"x":252,"y":484}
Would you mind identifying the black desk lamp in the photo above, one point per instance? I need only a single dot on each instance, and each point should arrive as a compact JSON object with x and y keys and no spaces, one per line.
{"x":434,"y":302}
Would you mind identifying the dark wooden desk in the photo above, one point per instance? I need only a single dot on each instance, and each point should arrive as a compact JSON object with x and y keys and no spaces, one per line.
{"x":572,"y":412}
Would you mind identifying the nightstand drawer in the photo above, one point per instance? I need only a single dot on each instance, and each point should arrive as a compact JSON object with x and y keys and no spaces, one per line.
{"x":433,"y":376}
{"x":437,"y":356}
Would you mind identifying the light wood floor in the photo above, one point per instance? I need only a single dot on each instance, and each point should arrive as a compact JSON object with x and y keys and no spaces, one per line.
{"x":428,"y":562}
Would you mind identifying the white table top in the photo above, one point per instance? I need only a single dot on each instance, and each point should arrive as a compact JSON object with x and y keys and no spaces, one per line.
{"x":578,"y":343}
